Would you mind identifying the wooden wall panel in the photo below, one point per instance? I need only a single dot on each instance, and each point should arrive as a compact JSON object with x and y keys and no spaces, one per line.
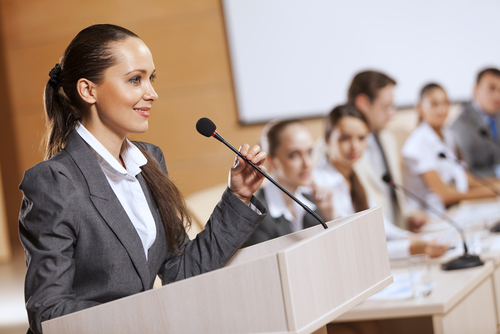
{"x":190,"y":51}
{"x":9,"y":151}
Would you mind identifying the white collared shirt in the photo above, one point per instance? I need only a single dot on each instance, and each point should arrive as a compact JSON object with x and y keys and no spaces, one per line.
{"x":326,"y":175}
{"x":374,"y":156}
{"x":277,"y":205}
{"x":421,"y":154}
{"x":125,"y":184}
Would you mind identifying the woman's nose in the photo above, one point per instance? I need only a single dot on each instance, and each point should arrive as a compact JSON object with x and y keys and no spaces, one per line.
{"x":307,"y":161}
{"x":151,"y":94}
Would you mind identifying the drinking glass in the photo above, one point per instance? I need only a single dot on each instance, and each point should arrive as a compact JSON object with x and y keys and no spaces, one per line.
{"x":420,"y":275}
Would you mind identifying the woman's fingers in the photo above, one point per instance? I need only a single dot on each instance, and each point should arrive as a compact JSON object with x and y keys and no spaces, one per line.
{"x":321,"y":194}
{"x":244,"y":180}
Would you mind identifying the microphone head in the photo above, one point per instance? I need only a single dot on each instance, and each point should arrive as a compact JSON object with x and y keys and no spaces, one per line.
{"x":387,"y":178}
{"x":206,"y":127}
{"x":442,"y":155}
{"x":482,"y":132}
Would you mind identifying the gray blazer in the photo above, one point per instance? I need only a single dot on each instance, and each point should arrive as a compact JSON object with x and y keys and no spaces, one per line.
{"x":480,"y":153}
{"x":271,"y":228}
{"x":82,"y":250}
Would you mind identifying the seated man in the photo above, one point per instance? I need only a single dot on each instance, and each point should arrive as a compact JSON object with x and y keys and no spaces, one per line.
{"x":372,"y":93}
{"x":477,"y":128}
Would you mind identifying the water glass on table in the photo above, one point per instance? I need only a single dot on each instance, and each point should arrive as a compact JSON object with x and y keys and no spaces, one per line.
{"x":420,"y":275}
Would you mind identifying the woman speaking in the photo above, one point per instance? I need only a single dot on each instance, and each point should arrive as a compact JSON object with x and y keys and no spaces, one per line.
{"x":100,"y":219}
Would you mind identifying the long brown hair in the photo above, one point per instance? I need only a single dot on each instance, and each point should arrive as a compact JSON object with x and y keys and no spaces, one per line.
{"x":358,"y":194}
{"x":88,"y":55}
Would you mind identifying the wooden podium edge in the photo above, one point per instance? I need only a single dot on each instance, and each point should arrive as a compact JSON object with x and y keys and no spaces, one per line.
{"x":334,"y":314}
{"x":285,"y":284}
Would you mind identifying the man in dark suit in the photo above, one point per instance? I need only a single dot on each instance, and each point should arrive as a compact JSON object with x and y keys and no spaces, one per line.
{"x":477,"y":128}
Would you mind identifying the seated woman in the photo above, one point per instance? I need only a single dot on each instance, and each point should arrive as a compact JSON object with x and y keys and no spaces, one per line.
{"x":431,"y":168}
{"x":346,"y":130}
{"x":290,"y":151}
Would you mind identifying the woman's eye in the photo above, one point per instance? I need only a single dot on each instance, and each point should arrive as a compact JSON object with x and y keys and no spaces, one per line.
{"x":152,"y":77}
{"x":135,"y":79}
{"x":344,"y":138}
{"x":292,"y":155}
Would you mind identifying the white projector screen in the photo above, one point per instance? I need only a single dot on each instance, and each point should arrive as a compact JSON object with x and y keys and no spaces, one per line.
{"x":296,"y":58}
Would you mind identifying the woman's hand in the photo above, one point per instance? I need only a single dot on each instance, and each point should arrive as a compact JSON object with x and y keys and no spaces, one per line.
{"x":244,"y":180}
{"x":323,"y":198}
{"x":416,"y":221}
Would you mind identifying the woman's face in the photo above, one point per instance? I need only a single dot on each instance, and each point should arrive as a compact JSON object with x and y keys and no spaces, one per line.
{"x":434,"y":107}
{"x":347,"y":141}
{"x":125,"y":95}
{"x":293,"y":160}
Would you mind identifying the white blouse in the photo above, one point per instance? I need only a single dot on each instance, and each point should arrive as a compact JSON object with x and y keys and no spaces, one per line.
{"x":421,"y":153}
{"x":125,"y":184}
{"x":326,"y":175}
{"x":277,"y":205}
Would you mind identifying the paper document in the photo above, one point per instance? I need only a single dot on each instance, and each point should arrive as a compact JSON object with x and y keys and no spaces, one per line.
{"x":400,"y":289}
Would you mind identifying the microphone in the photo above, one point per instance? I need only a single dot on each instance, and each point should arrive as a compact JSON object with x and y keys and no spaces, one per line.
{"x":467,"y":260}
{"x":496,"y":226}
{"x":478,"y":177}
{"x":484,"y":133}
{"x":208,"y":129}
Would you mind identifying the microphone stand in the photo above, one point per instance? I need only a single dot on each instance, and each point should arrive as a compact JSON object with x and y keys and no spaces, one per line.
{"x":476,"y":175}
{"x":496,"y":226}
{"x":467,"y":260}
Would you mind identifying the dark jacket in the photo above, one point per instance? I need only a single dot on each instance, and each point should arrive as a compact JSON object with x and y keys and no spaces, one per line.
{"x":82,"y":250}
{"x":482,"y":154}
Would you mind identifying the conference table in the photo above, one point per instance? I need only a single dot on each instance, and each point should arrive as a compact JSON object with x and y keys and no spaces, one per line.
{"x":461,"y":301}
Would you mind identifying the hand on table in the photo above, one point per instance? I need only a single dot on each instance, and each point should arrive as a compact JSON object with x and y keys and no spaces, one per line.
{"x":416,"y":221}
{"x":432,"y":249}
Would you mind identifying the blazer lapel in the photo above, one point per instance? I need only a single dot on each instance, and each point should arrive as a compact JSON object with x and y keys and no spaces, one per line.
{"x":108,"y":205}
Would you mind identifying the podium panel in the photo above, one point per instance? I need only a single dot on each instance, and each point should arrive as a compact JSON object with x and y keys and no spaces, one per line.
{"x":293,"y":284}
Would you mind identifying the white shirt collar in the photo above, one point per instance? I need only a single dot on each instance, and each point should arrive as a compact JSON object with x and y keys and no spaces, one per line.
{"x":131,"y":155}
{"x":446,"y":144}
{"x":276,"y":202}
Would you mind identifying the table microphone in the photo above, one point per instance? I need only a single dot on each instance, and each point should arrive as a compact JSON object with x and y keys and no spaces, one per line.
{"x":478,"y":177}
{"x":484,"y":133}
{"x":207,"y":128}
{"x":465,"y":261}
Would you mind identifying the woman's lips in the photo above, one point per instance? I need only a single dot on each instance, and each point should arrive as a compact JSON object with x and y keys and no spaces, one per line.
{"x":143,"y":111}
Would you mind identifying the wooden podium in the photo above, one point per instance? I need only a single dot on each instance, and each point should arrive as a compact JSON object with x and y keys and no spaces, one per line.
{"x":294,"y":284}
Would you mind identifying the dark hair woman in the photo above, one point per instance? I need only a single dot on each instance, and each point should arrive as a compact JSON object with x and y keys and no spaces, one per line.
{"x":100,"y":218}
{"x":346,"y":131}
{"x":290,"y":148}
{"x":430,"y":156}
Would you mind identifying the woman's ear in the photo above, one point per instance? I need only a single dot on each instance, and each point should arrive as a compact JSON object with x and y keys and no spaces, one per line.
{"x":86,"y":90}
